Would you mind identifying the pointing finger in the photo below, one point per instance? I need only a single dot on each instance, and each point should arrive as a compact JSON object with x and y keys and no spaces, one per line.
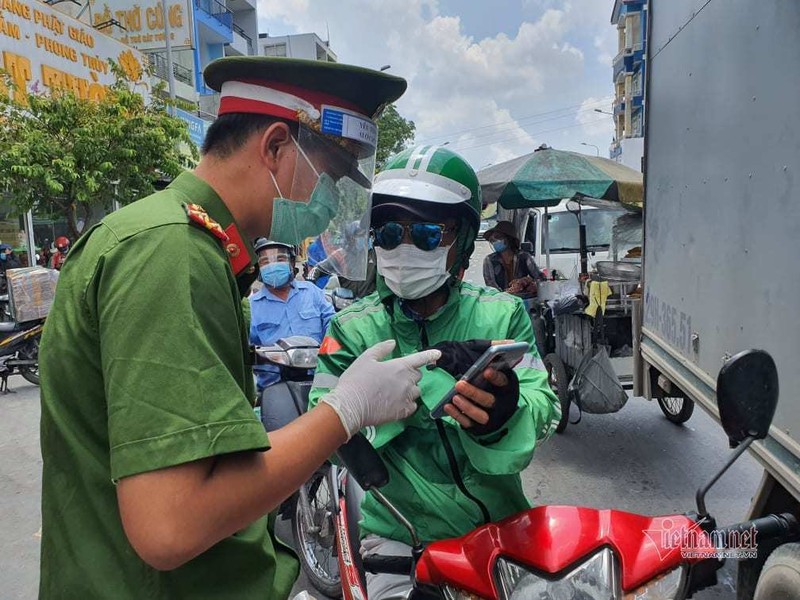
{"x":381,"y":350}
{"x":420,"y":359}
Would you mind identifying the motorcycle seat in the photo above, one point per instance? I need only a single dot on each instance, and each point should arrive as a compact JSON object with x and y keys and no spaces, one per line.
{"x":7,"y":326}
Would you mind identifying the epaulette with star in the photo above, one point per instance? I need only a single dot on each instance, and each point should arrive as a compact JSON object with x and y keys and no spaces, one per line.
{"x":230,"y":238}
{"x":198,"y":215}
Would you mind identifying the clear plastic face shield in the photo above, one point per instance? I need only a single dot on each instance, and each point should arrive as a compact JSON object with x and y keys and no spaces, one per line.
{"x":269,"y":256}
{"x":332,"y":190}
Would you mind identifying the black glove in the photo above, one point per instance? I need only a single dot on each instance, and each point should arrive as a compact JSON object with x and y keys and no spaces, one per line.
{"x":458,"y":357}
{"x":506,"y":399}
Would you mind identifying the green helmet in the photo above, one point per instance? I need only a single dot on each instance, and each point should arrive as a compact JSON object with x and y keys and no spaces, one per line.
{"x":433,"y":182}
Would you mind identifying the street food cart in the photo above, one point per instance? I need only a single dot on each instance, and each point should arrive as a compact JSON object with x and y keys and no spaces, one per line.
{"x":571,"y":328}
{"x":582,"y":323}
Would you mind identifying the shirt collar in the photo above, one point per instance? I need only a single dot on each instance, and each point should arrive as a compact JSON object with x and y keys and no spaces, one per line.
{"x":197,"y":191}
{"x":265,"y":294}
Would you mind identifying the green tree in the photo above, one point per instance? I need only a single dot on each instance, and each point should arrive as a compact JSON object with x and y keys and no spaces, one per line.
{"x":394,"y":132}
{"x":61,"y":155}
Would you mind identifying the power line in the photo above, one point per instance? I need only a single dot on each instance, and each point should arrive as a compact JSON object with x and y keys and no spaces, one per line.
{"x":516,"y":121}
{"x":526,"y":126}
{"x":531,"y":134}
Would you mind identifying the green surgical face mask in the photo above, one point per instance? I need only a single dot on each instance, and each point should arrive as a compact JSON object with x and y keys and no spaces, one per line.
{"x":294,"y":221}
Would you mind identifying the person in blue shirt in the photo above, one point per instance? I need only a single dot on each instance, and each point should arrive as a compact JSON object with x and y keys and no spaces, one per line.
{"x":284,"y":306}
{"x":317,"y":254}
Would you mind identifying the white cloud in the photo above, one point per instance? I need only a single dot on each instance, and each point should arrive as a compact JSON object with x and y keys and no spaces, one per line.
{"x":594,"y":124}
{"x":485,"y":97}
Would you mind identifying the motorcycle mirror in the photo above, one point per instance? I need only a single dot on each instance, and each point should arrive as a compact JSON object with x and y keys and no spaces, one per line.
{"x":363,"y":462}
{"x":747,"y":395}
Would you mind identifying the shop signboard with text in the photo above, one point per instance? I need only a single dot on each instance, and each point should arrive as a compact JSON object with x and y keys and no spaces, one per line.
{"x":41,"y":47}
{"x":197,"y":126}
{"x":140,"y":23}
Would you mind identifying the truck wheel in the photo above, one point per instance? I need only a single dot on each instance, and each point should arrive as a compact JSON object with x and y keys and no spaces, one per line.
{"x":677,"y":410}
{"x":557,"y":378}
{"x":780,"y":577}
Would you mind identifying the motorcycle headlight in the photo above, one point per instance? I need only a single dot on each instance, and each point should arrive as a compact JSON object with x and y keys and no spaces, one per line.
{"x":303,"y":358}
{"x":666,"y":587}
{"x":595,"y":578}
{"x":276,"y":357}
{"x":451,"y":593}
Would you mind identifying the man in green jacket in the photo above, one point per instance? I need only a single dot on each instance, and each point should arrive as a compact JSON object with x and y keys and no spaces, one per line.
{"x":158,"y":478}
{"x":425,"y":216}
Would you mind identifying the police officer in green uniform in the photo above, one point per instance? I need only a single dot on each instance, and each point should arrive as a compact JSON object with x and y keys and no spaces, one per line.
{"x":158,"y":478}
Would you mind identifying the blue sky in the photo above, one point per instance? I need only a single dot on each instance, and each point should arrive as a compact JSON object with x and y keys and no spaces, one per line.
{"x":493,"y":78}
{"x":487,"y":19}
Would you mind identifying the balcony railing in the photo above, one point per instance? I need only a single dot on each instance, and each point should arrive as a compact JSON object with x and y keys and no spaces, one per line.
{"x":246,"y":37}
{"x":159,"y":62}
{"x":217,"y":10}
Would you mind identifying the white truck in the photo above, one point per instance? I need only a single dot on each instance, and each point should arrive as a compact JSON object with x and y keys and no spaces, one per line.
{"x":722,"y":217}
{"x":562,"y":234}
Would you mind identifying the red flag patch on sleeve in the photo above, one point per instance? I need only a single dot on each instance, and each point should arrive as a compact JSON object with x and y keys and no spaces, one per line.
{"x":329,"y":345}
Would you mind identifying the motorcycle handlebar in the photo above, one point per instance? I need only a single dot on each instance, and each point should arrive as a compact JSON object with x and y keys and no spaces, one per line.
{"x":769,"y":527}
{"x":394,"y":565}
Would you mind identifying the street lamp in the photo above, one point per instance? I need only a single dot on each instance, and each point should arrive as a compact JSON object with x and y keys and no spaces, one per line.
{"x":603,"y":112}
{"x":593,"y":146}
{"x":385,"y":67}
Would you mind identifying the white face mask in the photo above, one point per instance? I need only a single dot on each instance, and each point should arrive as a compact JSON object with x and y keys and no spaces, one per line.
{"x":412,"y":273}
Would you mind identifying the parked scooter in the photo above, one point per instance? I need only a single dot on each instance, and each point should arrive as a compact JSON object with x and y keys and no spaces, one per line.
{"x":310,"y":508}
{"x":560,"y":552}
{"x":19,"y":347}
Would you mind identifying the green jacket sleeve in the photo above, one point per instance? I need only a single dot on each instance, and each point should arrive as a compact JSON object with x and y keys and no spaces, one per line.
{"x":511,"y":449}
{"x":337,"y":353}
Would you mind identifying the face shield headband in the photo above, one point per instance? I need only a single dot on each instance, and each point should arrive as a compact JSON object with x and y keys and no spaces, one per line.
{"x":331,"y":194}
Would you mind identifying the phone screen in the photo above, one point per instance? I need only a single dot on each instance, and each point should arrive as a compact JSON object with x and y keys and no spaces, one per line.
{"x":497,"y":357}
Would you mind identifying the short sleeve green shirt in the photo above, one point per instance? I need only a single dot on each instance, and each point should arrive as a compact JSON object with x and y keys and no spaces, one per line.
{"x":144,"y":366}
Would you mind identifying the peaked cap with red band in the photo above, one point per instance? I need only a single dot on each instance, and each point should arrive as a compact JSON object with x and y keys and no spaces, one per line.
{"x":286,"y":87}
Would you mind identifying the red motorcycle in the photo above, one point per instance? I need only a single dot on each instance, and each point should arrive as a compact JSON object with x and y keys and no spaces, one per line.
{"x":573,"y":553}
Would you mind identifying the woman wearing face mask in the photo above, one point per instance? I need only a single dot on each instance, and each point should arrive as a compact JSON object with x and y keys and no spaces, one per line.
{"x":284,"y":306}
{"x":507,"y":264}
{"x":425,"y":216}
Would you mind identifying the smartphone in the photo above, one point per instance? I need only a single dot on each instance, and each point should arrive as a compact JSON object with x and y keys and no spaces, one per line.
{"x":498,"y":357}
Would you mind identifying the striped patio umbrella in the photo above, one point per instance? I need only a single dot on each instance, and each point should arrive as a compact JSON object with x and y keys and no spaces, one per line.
{"x":547,"y":176}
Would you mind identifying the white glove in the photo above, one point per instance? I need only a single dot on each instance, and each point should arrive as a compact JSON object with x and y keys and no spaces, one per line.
{"x":371,"y":392}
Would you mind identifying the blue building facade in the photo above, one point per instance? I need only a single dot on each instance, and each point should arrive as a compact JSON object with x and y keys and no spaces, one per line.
{"x":221,"y":28}
{"x":629,"y":70}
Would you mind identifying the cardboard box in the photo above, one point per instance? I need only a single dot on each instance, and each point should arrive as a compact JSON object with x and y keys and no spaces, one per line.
{"x":31,"y":291}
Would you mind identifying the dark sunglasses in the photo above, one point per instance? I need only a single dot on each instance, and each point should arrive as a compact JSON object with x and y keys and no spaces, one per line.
{"x":425,"y":236}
